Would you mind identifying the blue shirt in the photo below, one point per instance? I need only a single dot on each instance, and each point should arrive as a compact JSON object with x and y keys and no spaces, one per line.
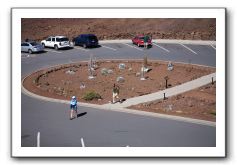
{"x":73,"y":102}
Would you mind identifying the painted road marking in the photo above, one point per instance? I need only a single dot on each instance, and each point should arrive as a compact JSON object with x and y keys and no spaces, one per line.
{"x":108,"y":47}
{"x":213,"y":47}
{"x":133,"y":46}
{"x":188,"y":48}
{"x":79,"y":48}
{"x":49,"y":50}
{"x":161,"y":47}
{"x":82,"y":142}
{"x":38,"y":139}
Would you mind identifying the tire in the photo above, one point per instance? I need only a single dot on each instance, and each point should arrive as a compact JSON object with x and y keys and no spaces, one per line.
{"x":56,"y":47}
{"x":30,"y":51}
{"x":84,"y":45}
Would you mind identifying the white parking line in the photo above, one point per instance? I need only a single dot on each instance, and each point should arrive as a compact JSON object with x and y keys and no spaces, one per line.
{"x":82,"y":142}
{"x":213,"y":47}
{"x":79,"y":48}
{"x":161,"y":47}
{"x":38,"y":139}
{"x":49,"y":50}
{"x":189,"y":48}
{"x":133,"y":46}
{"x":108,"y":47}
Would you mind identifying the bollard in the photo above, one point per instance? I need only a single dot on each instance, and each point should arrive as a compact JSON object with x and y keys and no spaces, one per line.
{"x":164,"y":96}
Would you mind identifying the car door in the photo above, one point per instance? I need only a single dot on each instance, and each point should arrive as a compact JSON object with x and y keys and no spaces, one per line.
{"x":24,"y":47}
{"x":48,"y":42}
{"x":53,"y":41}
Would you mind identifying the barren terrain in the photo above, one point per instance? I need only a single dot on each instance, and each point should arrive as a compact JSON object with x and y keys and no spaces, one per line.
{"x":107,"y":28}
{"x":64,"y":81}
{"x":199,"y":104}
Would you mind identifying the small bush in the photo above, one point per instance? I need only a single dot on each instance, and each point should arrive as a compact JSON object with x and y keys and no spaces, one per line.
{"x":91,"y":95}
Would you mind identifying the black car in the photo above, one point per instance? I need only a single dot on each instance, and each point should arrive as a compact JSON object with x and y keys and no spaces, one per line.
{"x":86,"y":40}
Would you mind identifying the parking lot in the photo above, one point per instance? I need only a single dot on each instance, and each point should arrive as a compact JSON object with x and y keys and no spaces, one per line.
{"x":106,"y":128}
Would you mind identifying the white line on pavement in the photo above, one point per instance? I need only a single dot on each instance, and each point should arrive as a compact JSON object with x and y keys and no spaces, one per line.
{"x":79,"y":48}
{"x":133,"y":46}
{"x":213,"y":47}
{"x":49,"y":50}
{"x":82,"y":142}
{"x":38,"y":139}
{"x":189,"y":48}
{"x":161,"y":47}
{"x":108,"y":47}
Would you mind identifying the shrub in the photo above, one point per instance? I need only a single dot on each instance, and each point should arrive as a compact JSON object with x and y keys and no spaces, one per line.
{"x":91,"y":95}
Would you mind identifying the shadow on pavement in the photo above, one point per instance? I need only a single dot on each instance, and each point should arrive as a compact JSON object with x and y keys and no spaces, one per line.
{"x":81,"y":114}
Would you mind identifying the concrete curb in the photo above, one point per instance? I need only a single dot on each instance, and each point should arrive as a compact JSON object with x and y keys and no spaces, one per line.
{"x":165,"y":41}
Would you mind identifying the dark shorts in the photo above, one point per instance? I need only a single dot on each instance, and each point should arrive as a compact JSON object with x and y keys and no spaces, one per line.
{"x":73,"y":107}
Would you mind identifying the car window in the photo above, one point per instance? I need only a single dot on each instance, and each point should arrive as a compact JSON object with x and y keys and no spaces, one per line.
{"x":48,"y":39}
{"x":141,"y":38}
{"x":92,"y":37}
{"x":62,"y":39}
{"x":33,"y":43}
{"x":53,"y":39}
{"x":24,"y":44}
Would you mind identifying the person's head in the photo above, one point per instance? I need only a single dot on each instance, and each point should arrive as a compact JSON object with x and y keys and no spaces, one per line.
{"x":114,"y":85}
{"x":73,"y":97}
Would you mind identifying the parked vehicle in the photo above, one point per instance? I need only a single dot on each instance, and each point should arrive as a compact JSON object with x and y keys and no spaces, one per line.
{"x":31,"y":47}
{"x":139,"y":40}
{"x":86,"y":40}
{"x":56,"y":42}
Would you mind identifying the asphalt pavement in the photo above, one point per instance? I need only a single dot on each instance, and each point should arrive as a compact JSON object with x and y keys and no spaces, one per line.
{"x":104,"y":128}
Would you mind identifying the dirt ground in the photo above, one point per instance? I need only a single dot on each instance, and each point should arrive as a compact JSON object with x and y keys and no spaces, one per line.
{"x":120,"y":28}
{"x":64,"y":81}
{"x":199,"y":104}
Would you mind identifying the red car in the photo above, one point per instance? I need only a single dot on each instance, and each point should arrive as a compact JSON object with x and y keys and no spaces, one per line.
{"x":139,"y":40}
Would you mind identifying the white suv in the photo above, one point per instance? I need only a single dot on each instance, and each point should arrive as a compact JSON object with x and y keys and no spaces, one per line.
{"x":56,"y":42}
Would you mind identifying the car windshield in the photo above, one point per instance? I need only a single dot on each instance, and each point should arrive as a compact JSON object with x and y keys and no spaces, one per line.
{"x":141,"y":38}
{"x":34,"y":43}
{"x":62,"y":39}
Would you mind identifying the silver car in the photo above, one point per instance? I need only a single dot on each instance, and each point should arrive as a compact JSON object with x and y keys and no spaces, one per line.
{"x":31,"y":47}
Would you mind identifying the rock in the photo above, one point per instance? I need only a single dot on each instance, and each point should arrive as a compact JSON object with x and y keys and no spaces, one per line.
{"x":138,"y":74}
{"x":122,"y":66}
{"x":120,"y":79}
{"x":104,"y":71}
{"x":71,"y":72}
{"x":110,"y":71}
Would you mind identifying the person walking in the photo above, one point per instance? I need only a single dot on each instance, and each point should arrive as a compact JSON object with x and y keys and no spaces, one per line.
{"x":115,"y":93}
{"x":146,"y":38}
{"x":73,"y":108}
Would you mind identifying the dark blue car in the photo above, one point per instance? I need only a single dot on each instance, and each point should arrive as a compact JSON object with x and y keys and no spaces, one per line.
{"x":86,"y":40}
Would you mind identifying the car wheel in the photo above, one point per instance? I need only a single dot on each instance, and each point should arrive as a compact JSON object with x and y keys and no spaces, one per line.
{"x":84,"y":45}
{"x":30,"y":51}
{"x":56,"y":47}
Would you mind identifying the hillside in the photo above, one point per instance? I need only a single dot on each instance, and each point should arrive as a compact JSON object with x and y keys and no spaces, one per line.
{"x":194,"y":29}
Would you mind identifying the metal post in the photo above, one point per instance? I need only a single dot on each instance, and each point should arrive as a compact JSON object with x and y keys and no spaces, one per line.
{"x":164,"y":96}
{"x":212,"y":81}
